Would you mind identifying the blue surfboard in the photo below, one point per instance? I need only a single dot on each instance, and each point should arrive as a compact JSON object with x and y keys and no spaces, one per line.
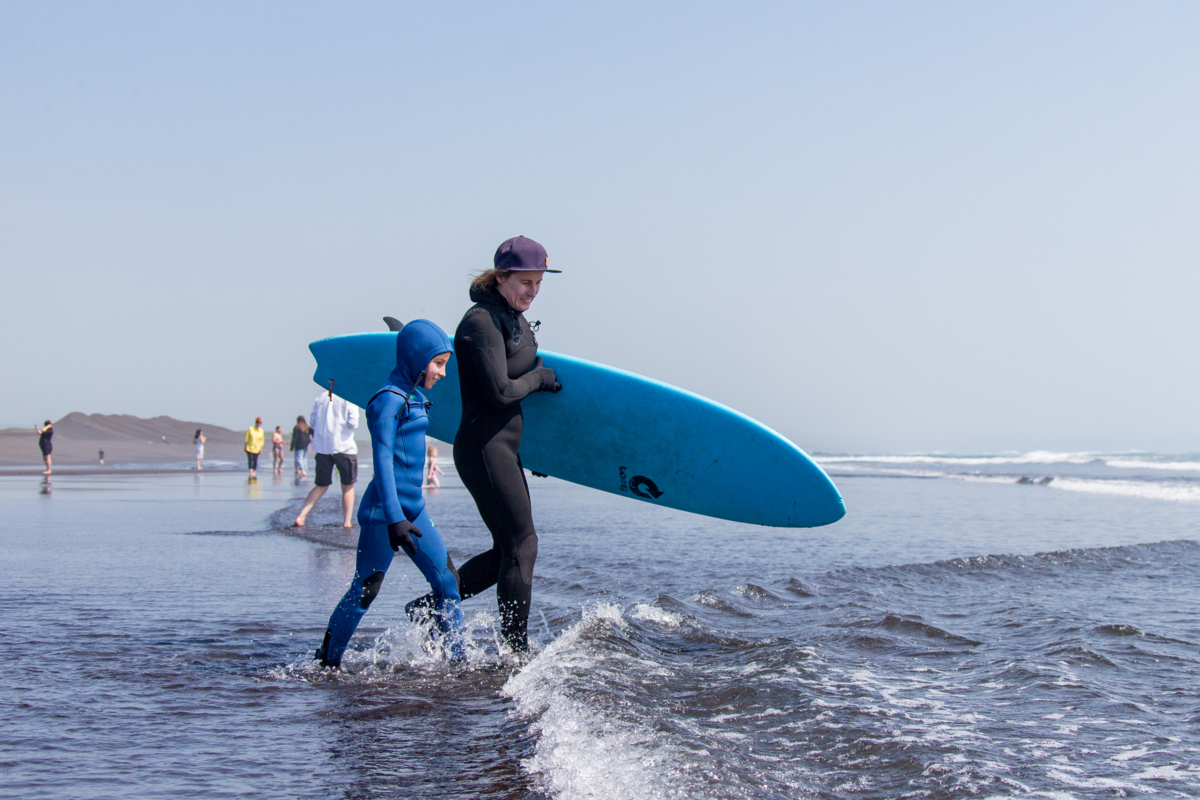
{"x":623,"y":433}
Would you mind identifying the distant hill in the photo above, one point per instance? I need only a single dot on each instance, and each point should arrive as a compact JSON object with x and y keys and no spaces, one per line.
{"x":123,"y":427}
{"x":125,"y":439}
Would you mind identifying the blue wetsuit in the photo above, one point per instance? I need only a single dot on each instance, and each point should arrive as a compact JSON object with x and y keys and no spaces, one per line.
{"x":397,"y":420}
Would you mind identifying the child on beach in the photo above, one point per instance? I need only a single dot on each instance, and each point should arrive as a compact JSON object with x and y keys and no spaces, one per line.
{"x":277,"y":450}
{"x":392,"y":517}
{"x":198,"y":440}
{"x":431,"y":477}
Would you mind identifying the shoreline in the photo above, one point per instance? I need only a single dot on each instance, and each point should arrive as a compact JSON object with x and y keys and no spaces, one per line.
{"x":28,"y":472}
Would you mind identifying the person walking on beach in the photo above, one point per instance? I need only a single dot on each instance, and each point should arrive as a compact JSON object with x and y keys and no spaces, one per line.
{"x":198,"y":440}
{"x":301,"y":439}
{"x":45,"y":435}
{"x":333,"y":422}
{"x":277,"y":450}
{"x":432,"y":470}
{"x":392,"y":515}
{"x":254,"y":446}
{"x":498,"y":365}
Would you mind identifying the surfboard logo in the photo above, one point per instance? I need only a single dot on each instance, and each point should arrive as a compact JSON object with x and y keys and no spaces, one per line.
{"x":638,"y":483}
{"x":651,"y":493}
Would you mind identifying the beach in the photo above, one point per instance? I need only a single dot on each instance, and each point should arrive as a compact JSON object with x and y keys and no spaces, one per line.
{"x":959,"y":634}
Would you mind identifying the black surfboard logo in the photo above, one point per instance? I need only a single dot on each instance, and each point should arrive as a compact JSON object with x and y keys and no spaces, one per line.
{"x":638,"y":481}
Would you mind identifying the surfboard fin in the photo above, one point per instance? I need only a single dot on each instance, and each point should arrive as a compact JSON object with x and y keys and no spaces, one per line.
{"x":393,"y":323}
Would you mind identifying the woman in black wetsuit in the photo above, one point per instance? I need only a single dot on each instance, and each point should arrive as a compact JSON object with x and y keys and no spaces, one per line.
{"x":498,"y":365}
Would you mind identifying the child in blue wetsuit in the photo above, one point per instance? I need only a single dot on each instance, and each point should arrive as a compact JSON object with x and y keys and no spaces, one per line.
{"x":392,"y":513}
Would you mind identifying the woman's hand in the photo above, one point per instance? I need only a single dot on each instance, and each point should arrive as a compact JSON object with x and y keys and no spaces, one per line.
{"x":549,"y":380}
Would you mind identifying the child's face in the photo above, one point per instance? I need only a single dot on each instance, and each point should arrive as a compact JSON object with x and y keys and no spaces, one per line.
{"x":436,"y":370}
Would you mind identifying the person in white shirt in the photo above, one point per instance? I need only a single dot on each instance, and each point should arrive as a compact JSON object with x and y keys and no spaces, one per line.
{"x":333,"y":421}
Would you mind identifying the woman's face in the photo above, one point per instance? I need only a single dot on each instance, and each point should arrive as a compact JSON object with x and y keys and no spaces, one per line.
{"x":436,"y":370}
{"x":519,"y":288}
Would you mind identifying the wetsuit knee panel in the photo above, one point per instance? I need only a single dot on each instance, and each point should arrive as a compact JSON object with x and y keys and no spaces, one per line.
{"x":371,"y":589}
{"x":526,"y":555}
{"x":447,"y":583}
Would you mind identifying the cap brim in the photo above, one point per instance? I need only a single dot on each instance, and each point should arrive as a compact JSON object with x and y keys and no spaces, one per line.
{"x":529,"y":269}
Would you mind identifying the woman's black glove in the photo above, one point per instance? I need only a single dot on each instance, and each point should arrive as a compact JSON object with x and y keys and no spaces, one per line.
{"x":549,"y":381}
{"x":400,"y":534}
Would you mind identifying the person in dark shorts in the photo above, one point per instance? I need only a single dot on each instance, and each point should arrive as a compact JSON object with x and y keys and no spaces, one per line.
{"x":347,"y":469}
{"x":45,"y":435}
{"x":333,"y":421}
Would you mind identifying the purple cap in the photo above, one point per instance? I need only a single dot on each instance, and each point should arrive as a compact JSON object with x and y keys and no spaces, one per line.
{"x":519,"y":253}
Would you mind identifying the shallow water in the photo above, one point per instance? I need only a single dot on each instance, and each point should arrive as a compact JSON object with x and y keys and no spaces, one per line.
{"x":949,"y":638}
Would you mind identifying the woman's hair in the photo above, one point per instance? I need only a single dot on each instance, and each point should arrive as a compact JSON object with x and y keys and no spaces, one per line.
{"x":198,"y":432}
{"x":301,"y":424}
{"x":489,"y":279}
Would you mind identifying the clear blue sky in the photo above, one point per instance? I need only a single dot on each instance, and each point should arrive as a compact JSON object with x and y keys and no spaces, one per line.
{"x":874,"y":227}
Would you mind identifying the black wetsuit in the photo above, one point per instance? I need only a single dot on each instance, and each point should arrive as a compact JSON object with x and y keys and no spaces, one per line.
{"x":45,"y":441}
{"x":496,"y":351}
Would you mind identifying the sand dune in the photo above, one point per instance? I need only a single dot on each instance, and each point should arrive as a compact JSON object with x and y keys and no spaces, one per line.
{"x":125,"y":439}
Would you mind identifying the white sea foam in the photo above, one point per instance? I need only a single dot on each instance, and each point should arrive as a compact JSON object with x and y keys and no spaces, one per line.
{"x":909,"y":466}
{"x":404,"y":645}
{"x":660,"y":616}
{"x":583,"y":752}
{"x":1141,"y":463}
{"x":1152,"y":490}
{"x":1034,"y":457}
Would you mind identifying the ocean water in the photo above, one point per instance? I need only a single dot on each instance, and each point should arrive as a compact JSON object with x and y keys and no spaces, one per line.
{"x":970,"y":630}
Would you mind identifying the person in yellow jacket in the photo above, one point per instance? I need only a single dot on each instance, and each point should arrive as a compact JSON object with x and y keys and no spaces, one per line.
{"x":254,"y":446}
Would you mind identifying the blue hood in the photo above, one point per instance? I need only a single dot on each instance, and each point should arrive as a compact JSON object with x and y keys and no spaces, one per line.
{"x":416,"y":345}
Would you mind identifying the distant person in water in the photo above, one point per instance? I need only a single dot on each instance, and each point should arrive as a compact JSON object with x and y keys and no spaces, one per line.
{"x":301,"y":439}
{"x":432,"y":469}
{"x":199,"y":439}
{"x":45,"y":435}
{"x":254,"y":446}
{"x":277,"y":450}
{"x":334,"y":421}
{"x":102,"y":458}
{"x":392,"y":516}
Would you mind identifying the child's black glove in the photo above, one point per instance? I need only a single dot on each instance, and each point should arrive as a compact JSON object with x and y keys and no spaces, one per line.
{"x":400,"y":534}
